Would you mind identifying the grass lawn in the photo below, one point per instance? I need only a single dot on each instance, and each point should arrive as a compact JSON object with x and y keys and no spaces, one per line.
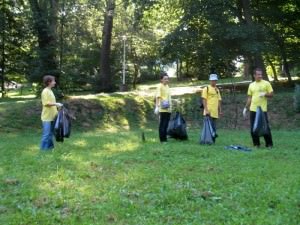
{"x":186,"y":83}
{"x":115,"y":178}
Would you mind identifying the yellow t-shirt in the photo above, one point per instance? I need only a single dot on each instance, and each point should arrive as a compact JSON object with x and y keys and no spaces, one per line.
{"x":255,"y":88}
{"x":164,"y":94}
{"x":212,"y":96}
{"x":48,"y":112}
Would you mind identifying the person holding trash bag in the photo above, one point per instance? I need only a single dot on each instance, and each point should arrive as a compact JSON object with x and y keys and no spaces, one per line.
{"x":259,"y":92}
{"x":163,"y":106}
{"x":211,"y":98}
{"x":49,"y":112}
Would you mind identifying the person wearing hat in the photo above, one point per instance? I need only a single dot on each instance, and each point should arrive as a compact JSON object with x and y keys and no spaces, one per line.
{"x":211,"y":98}
{"x":259,"y":92}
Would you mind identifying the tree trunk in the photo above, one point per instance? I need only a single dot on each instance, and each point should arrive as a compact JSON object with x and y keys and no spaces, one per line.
{"x":61,"y":38}
{"x":246,"y":11}
{"x":187,"y":67}
{"x":247,"y":73}
{"x":135,"y":75}
{"x":177,"y":70}
{"x":105,"y":71}
{"x":3,"y":50}
{"x":245,"y":6}
{"x":136,"y":67}
{"x":273,"y":69}
{"x":45,"y":24}
{"x":180,"y":69}
{"x":286,"y":69}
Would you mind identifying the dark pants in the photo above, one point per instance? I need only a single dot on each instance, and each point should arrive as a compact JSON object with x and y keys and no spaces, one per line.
{"x":214,"y":123}
{"x":164,"y":118}
{"x":255,"y":138}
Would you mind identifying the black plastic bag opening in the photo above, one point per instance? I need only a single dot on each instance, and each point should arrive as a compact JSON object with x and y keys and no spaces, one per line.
{"x":177,"y":127}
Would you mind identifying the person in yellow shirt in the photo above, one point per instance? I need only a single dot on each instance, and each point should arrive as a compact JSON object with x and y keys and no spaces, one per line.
{"x":259,"y":92}
{"x":49,"y":112}
{"x":163,"y":106}
{"x":211,"y":98}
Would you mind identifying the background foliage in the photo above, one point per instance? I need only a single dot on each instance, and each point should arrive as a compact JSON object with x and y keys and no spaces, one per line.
{"x":66,"y":38}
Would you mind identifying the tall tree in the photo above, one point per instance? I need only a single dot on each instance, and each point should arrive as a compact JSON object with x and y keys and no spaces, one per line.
{"x":106,"y":84}
{"x":14,"y":38}
{"x":3,"y":40}
{"x":247,"y":18}
{"x":45,"y":24}
{"x":280,"y":18}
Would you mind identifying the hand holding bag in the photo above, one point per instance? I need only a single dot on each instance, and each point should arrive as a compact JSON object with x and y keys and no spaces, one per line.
{"x":165,"y":104}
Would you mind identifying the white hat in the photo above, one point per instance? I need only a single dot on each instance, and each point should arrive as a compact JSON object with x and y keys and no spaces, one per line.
{"x":213,"y":76}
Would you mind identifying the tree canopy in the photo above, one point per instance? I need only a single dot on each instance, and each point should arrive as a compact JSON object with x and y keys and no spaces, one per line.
{"x":82,"y":42}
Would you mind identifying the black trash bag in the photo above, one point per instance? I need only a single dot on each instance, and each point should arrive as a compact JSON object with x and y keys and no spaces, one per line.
{"x":208,"y":134}
{"x":58,"y":128}
{"x":177,"y":127}
{"x":260,"y":126}
{"x":62,"y":127}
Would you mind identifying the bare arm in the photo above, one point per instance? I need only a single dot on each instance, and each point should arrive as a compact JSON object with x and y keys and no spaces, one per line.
{"x":157,"y":101}
{"x":269,"y":95}
{"x":205,"y":106}
{"x":248,"y":103}
{"x":50,"y":104}
{"x":220,"y":107}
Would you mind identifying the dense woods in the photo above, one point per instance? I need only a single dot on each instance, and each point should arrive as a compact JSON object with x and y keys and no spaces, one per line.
{"x":84,"y":42}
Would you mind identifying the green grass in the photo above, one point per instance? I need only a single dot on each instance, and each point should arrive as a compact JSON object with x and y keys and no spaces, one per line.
{"x":151,"y":85}
{"x":115,"y":178}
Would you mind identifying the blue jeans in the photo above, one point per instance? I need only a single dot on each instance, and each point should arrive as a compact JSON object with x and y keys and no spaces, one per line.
{"x":47,"y":136}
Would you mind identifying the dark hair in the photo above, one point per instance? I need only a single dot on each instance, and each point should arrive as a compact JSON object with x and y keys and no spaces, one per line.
{"x":257,"y":69}
{"x":162,"y":75}
{"x":48,"y":79}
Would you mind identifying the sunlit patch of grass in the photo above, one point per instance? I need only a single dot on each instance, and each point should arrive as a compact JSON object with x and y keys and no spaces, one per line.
{"x":27,"y":97}
{"x":81,"y":143}
{"x":114,"y":177}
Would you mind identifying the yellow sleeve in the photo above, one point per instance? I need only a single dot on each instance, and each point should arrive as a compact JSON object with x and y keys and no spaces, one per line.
{"x":158,"y":91}
{"x":249,"y":91}
{"x":269,"y":88}
{"x":204,"y":93}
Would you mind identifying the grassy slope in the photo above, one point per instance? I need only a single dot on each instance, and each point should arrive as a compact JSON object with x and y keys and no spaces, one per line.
{"x":131,"y":112}
{"x":114,"y":178}
{"x":92,"y":112}
{"x":100,"y":177}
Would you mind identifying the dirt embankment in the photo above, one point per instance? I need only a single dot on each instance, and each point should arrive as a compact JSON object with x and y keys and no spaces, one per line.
{"x":132,"y":111}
